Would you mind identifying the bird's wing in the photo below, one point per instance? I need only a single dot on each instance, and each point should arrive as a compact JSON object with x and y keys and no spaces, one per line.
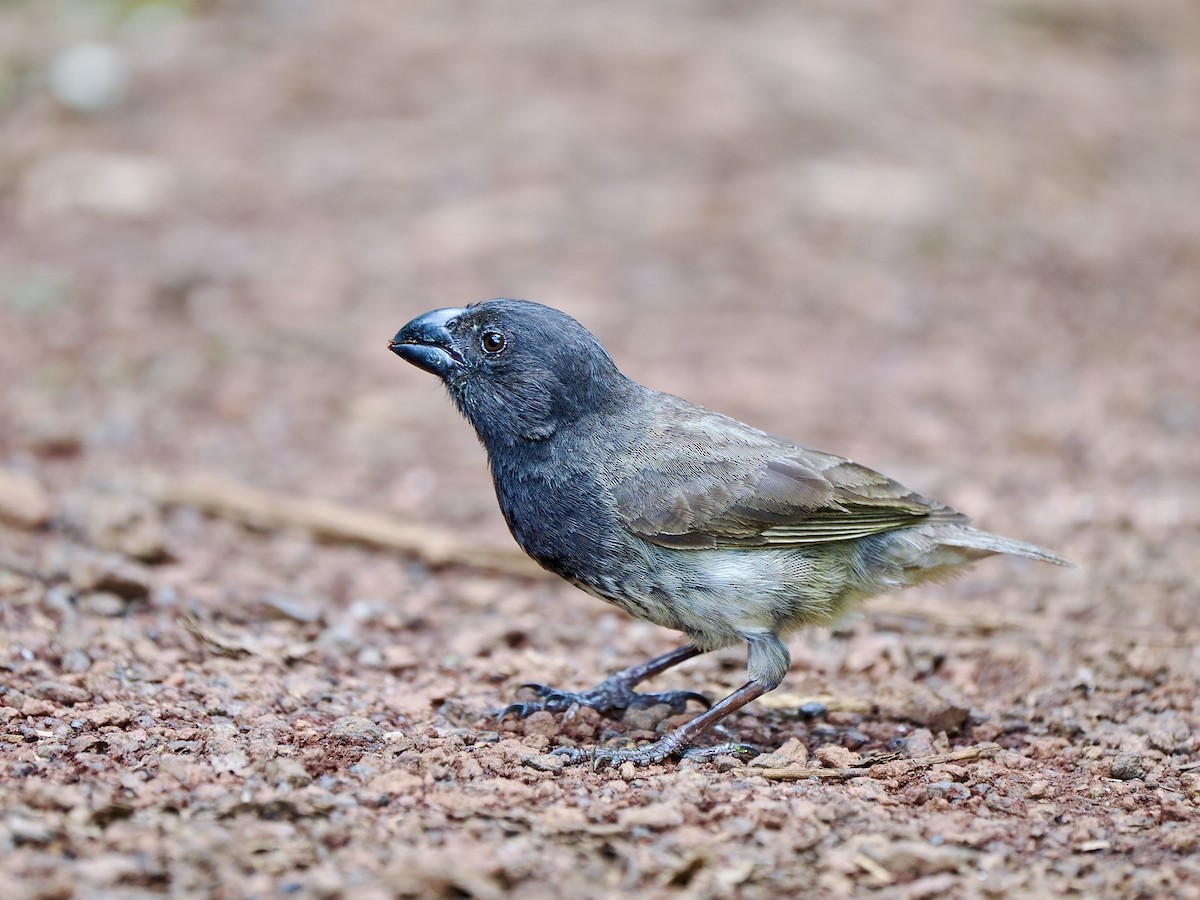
{"x":704,"y":480}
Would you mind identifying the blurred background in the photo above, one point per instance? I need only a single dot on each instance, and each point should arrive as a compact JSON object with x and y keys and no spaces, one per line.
{"x":960,"y":243}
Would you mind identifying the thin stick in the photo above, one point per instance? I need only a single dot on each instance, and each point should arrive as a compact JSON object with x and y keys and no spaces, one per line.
{"x":437,"y":548}
{"x":978,"y":751}
{"x":440,"y":548}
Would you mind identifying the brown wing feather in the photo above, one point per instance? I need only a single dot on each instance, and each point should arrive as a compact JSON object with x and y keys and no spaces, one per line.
{"x":740,"y":487}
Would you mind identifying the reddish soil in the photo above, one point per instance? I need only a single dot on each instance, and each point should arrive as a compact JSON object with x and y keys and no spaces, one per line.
{"x":959,"y":243}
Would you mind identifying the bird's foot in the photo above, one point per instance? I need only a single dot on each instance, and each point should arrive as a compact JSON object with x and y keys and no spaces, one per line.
{"x":613,"y":695}
{"x":650,"y":754}
{"x":729,"y":748}
{"x":599,"y":757}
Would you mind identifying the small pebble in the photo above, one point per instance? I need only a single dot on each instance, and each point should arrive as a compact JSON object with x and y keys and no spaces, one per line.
{"x":793,"y":753}
{"x":89,"y":77}
{"x":545,"y":762}
{"x":647,"y":717}
{"x":949,"y":790}
{"x":1127,"y":767}
{"x":837,"y":757}
{"x":102,"y":603}
{"x":62,"y":694}
{"x":355,"y":730}
{"x":23,"y":500}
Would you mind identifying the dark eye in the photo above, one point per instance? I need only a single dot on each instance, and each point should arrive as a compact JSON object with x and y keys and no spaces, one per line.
{"x":491,"y":341}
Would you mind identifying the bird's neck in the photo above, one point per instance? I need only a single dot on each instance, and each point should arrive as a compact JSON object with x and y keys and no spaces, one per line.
{"x":543,"y":415}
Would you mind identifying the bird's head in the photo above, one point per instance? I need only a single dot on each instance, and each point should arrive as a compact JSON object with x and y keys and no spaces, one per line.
{"x":517,"y":370}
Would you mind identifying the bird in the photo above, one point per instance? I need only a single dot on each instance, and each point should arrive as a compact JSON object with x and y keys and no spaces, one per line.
{"x":674,"y":513}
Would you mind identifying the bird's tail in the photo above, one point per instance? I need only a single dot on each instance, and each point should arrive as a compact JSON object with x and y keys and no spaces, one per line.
{"x":968,"y":538}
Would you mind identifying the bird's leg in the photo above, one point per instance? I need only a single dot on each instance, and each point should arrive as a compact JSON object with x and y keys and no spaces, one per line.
{"x":616,"y":692}
{"x":674,"y":743}
{"x":767,"y":664}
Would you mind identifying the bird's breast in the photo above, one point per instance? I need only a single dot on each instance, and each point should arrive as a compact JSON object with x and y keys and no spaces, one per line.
{"x":561,"y":520}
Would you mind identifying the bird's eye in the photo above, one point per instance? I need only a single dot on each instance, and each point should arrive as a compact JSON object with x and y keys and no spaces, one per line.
{"x":491,"y":342}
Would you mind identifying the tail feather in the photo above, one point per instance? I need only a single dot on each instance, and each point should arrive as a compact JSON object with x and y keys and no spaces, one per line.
{"x":972,"y":539}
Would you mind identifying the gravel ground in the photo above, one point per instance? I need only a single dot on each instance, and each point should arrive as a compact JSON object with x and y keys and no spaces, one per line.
{"x":257,"y":607}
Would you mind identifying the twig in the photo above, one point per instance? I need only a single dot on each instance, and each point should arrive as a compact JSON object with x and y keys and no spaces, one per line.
{"x":440,"y":548}
{"x":978,"y":751}
{"x":24,"y":568}
{"x":437,"y":548}
{"x":214,"y":644}
{"x":881,"y":875}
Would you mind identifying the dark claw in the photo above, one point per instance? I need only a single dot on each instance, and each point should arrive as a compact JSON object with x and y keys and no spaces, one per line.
{"x":571,"y":754}
{"x":556,"y":701}
{"x":552,"y":699}
{"x":520,"y":710}
{"x":607,"y":698}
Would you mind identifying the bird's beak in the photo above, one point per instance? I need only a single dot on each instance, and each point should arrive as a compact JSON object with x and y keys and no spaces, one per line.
{"x":427,"y":343}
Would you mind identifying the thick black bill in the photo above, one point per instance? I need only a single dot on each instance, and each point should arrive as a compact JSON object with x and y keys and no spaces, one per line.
{"x":427,"y":343}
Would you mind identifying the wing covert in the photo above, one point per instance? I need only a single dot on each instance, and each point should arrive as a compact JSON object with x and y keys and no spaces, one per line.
{"x":745,"y":488}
